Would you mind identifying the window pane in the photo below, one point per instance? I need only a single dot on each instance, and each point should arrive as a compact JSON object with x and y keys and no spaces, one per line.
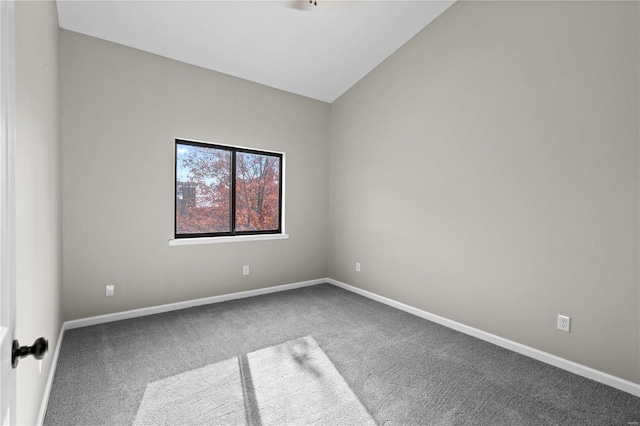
{"x":257,"y":192}
{"x":203,"y":190}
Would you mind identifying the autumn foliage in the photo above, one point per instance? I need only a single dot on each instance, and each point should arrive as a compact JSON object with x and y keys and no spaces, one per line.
{"x":204,"y":191}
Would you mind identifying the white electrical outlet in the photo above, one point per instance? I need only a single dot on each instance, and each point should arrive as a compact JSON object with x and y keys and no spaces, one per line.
{"x":564,"y":323}
{"x":357,"y":266}
{"x":245,"y":270}
{"x":110,"y":290}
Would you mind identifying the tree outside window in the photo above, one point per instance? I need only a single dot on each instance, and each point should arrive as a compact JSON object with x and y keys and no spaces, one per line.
{"x":222,"y":190}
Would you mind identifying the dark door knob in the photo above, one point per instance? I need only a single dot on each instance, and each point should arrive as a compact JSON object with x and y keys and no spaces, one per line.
{"x":38,"y":350}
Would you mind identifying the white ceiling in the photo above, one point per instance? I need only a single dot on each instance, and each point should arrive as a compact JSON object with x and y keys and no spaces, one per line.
{"x":314,"y":51}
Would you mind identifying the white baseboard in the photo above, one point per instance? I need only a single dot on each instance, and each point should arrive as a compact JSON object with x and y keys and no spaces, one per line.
{"x":101,"y":319}
{"x":52,"y":373}
{"x":556,"y":361}
{"x":581,"y":370}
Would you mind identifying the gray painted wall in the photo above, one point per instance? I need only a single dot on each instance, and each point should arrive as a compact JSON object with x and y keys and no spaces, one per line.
{"x":488,"y":172}
{"x":38,"y":195}
{"x":122,"y":109}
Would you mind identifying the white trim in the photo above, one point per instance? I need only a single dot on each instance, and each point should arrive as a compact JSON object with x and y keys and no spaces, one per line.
{"x":101,"y":319}
{"x":234,"y":239}
{"x":556,"y":361}
{"x":52,"y":372}
{"x":581,"y":370}
{"x":8,"y":303}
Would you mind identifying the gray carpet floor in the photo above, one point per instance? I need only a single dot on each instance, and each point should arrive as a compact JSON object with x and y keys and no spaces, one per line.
{"x":404,"y":370}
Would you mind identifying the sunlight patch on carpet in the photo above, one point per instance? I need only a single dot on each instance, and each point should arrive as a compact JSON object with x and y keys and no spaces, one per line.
{"x":287,"y":384}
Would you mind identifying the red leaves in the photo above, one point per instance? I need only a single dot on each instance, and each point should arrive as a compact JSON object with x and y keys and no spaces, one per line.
{"x":257,"y":192}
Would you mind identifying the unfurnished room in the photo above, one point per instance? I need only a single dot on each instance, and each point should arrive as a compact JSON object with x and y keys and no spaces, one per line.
{"x":327,"y":212}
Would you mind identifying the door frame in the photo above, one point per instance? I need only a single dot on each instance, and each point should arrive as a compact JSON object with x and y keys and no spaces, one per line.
{"x":8,"y":399}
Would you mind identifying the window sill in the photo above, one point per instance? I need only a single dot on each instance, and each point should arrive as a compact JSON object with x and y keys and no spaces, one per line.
{"x":235,"y":239}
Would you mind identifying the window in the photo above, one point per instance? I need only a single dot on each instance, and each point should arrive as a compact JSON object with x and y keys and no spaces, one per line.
{"x":226,"y":191}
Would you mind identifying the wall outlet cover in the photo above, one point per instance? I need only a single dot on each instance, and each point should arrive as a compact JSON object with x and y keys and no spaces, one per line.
{"x":564,"y":323}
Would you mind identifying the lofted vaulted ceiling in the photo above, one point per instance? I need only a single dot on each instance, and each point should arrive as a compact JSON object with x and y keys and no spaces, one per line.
{"x":314,"y":51}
